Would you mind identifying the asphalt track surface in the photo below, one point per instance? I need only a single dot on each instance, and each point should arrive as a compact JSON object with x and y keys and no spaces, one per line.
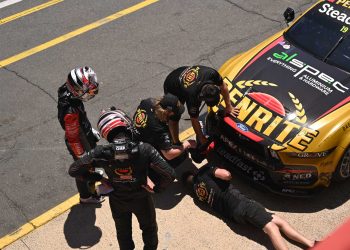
{"x":132,"y":45}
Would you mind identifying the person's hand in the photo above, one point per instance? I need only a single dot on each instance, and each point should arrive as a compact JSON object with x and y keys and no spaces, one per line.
{"x":222,"y":174}
{"x":96,"y":134}
{"x":105,"y":181}
{"x":189,"y":144}
{"x":203,"y":140}
{"x":149,"y":187}
{"x":235,"y":111}
{"x":105,"y":152}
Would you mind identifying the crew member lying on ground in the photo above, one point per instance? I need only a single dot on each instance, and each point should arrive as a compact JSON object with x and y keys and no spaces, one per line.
{"x":151,"y":120}
{"x":212,"y":186}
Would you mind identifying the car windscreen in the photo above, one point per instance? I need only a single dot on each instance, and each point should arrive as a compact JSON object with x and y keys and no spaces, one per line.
{"x":322,"y":32}
{"x":340,"y":57}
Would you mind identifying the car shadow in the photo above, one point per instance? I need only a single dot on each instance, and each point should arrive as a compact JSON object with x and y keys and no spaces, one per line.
{"x":79,"y":228}
{"x":170,"y":197}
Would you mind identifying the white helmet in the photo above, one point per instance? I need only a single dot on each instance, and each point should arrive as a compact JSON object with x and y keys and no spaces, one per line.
{"x":114,"y":121}
{"x":82,"y":83}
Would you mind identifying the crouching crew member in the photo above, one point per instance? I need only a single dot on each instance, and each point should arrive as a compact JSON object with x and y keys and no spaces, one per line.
{"x":126,"y":162}
{"x":192,"y":85}
{"x":212,"y":186}
{"x":151,"y":120}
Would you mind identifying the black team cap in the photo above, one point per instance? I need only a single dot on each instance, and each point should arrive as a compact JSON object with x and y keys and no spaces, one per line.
{"x":170,"y":102}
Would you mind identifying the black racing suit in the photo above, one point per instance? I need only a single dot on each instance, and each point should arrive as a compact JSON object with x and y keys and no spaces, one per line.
{"x":186,"y":83}
{"x":126,"y":178}
{"x":227,"y":201}
{"x":154,"y":131}
{"x":79,"y":137}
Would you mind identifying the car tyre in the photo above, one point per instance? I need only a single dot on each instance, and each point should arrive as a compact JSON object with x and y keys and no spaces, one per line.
{"x":342,"y":171}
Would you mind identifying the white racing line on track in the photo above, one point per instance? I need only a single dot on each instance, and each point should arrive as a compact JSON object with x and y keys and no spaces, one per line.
{"x":8,"y":2}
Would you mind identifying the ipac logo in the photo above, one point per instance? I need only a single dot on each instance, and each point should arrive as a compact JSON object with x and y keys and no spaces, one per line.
{"x":307,"y":69}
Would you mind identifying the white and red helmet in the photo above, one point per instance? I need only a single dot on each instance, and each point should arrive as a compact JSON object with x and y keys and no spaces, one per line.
{"x":82,"y":83}
{"x":114,"y":121}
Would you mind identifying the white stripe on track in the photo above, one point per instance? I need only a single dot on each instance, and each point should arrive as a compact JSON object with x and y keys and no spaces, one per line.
{"x":8,"y":2}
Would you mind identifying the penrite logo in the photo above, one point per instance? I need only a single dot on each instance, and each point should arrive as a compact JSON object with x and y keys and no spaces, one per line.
{"x":304,"y":68}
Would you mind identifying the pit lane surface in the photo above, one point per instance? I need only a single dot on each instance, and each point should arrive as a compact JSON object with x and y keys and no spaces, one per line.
{"x":131,"y":52}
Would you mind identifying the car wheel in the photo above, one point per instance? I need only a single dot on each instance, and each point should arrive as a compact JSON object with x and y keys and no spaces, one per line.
{"x":343,"y":169}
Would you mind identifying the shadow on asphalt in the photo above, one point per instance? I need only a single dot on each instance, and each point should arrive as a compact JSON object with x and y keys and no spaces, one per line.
{"x":79,"y":228}
{"x":170,"y":197}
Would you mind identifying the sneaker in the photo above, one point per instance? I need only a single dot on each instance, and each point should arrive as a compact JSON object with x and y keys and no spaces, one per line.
{"x":92,"y":200}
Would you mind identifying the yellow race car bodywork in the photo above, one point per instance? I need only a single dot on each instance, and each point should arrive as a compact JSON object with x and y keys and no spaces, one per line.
{"x":295,"y":113}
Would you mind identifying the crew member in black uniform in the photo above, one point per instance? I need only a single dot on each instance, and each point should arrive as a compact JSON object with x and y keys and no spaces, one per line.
{"x":81,"y":85}
{"x":212,"y":186}
{"x":126,"y":163}
{"x":151,"y":120}
{"x":192,"y":85}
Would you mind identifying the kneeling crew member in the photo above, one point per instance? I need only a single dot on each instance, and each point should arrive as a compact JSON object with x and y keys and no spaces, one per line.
{"x":126,"y":163}
{"x":151,"y":120}
{"x":192,"y":85}
{"x":212,"y":186}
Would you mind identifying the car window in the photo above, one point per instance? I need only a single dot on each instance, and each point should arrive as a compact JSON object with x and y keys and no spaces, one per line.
{"x":320,"y":30}
{"x":340,"y":57}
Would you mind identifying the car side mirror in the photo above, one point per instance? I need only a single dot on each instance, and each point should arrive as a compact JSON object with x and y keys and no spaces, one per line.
{"x":289,"y":15}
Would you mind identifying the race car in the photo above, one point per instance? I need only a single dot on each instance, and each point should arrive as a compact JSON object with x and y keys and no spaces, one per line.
{"x":292,"y":134}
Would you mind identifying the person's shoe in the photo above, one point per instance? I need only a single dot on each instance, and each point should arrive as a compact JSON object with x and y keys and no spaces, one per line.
{"x":92,"y":200}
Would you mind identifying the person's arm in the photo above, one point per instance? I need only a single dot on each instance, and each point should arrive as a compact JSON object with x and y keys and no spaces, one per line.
{"x":175,"y":151}
{"x":226,"y":95}
{"x":198,"y":130}
{"x":160,"y":166}
{"x":96,"y":158}
{"x":72,"y":133}
{"x":222,"y":174}
{"x":174,"y":131}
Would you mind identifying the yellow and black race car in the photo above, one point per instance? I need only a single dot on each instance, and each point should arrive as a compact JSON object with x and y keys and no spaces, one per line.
{"x":292,"y":134}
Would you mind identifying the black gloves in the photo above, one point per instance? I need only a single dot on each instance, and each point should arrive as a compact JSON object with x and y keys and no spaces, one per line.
{"x":196,"y":155}
{"x":103,"y":152}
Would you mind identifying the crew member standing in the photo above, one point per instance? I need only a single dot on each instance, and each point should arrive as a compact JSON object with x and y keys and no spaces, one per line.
{"x":126,"y":163}
{"x":192,"y":85}
{"x":80,"y":86}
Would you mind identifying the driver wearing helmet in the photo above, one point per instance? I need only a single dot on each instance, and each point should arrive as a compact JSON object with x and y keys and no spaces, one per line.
{"x":81,"y":86}
{"x":127,"y":163}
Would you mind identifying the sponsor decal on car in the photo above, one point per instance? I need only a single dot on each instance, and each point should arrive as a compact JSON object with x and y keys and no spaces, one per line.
{"x":242,"y":127}
{"x":271,"y":120}
{"x":306,"y":73}
{"x":330,"y":11}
